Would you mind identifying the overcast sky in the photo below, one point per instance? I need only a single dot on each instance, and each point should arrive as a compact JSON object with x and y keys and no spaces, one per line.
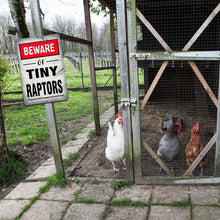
{"x":65,"y":8}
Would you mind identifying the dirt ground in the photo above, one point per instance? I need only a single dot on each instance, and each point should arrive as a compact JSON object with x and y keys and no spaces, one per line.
{"x":94,"y":164}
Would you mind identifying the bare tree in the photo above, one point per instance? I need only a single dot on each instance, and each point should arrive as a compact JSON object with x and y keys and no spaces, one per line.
{"x":18,"y":15}
{"x":105,"y":38}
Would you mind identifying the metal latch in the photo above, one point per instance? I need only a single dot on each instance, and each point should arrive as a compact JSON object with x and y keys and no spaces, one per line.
{"x":128,"y":102}
{"x":139,"y":55}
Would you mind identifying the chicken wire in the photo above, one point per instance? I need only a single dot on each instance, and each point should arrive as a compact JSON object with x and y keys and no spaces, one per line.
{"x":178,"y":91}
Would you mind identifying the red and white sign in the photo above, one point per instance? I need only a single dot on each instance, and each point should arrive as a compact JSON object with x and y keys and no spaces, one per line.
{"x":42,"y":70}
{"x":39,"y":49}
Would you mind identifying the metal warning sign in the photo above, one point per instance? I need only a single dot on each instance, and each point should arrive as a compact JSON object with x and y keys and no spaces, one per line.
{"x":42,"y":70}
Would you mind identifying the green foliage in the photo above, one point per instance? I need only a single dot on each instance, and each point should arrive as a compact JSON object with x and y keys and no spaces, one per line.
{"x":181,"y":204}
{"x":127,"y":202}
{"x":119,"y":185}
{"x":13,"y":170}
{"x":104,"y":216}
{"x":92,"y":134}
{"x":89,"y":201}
{"x":71,"y":157}
{"x":35,"y":198}
{"x":55,"y":180}
{"x":4,"y":70}
{"x":95,"y":181}
{"x":98,"y":8}
{"x":26,"y":208}
{"x":77,"y":181}
{"x":219,"y":201}
{"x":77,"y":193}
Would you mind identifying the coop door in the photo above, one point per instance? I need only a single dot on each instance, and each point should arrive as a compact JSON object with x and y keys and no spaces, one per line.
{"x":177,"y":87}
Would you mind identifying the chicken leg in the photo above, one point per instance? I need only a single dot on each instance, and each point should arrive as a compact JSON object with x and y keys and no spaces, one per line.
{"x":124,"y":162}
{"x":114,"y":168}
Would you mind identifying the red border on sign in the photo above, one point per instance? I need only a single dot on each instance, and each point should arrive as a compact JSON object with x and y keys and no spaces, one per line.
{"x":39,"y":49}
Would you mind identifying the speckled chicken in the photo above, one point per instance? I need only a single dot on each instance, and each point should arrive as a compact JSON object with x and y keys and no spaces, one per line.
{"x":194,"y":148}
{"x":115,"y":149}
{"x":169,"y":145}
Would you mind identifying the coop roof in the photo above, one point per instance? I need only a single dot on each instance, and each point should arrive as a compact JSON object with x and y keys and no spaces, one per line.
{"x":143,"y":4}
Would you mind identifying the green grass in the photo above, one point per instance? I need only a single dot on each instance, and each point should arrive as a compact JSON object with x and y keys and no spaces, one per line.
{"x":13,"y":170}
{"x":119,"y":185}
{"x":89,"y":201}
{"x":127,"y":202}
{"x":54,"y":180}
{"x":181,"y":204}
{"x":70,"y":158}
{"x":28,"y":124}
{"x":94,"y":181}
{"x":92,"y":133}
{"x":77,"y":193}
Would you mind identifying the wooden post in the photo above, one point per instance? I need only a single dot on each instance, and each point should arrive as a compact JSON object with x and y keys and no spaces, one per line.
{"x":113,"y":62}
{"x":217,"y":151}
{"x":54,"y":138}
{"x":124,"y":76}
{"x":92,"y":67}
{"x":134,"y":87}
{"x":81,"y":68}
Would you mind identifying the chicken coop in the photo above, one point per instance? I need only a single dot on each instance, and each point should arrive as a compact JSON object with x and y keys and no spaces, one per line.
{"x":175,"y":45}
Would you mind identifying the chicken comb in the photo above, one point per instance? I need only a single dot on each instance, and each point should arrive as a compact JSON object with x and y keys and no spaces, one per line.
{"x":180,"y":127}
{"x":119,"y":115}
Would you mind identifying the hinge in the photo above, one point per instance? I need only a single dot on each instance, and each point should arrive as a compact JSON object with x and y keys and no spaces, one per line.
{"x":128,"y":102}
{"x":139,"y":55}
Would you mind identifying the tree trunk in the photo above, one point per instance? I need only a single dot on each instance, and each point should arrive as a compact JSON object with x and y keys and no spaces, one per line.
{"x":18,"y":15}
{"x":3,"y":146}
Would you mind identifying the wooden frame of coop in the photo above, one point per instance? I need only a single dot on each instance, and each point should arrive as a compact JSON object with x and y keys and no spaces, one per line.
{"x":127,"y":14}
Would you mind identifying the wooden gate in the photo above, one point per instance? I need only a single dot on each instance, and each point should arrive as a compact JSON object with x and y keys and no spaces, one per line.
{"x":184,"y":89}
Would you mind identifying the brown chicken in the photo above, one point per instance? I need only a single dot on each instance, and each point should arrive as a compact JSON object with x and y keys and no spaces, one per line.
{"x":194,"y":148}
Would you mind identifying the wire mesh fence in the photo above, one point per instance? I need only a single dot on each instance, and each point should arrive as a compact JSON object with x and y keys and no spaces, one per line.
{"x":179,"y":91}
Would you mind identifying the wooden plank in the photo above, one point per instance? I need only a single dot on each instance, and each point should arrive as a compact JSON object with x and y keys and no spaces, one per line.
{"x":217,"y":150}
{"x":92,"y":68}
{"x":113,"y":61}
{"x":211,"y":180}
{"x":68,"y":37}
{"x":152,"y":30}
{"x":152,"y":180}
{"x":202,"y":28}
{"x":158,"y":160}
{"x":201,"y":155}
{"x":104,"y":68}
{"x":134,"y":86}
{"x":204,"y":83}
{"x":124,"y":76}
{"x":153,"y":85}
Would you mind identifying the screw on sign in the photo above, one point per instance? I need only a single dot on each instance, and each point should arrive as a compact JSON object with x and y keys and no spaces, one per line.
{"x":42,"y":70}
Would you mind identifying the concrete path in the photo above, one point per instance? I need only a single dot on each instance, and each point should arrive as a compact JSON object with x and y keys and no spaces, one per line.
{"x":96,"y":199}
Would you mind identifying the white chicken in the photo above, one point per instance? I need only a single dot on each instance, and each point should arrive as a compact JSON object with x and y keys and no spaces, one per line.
{"x":115,"y":149}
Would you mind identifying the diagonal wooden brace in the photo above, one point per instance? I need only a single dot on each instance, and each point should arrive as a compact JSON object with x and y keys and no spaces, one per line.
{"x":153,"y":84}
{"x":158,"y":160}
{"x":164,"y":64}
{"x":204,"y":83}
{"x":202,"y":28}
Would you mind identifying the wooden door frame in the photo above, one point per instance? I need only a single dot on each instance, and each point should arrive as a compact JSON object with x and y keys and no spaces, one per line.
{"x":134,"y":75}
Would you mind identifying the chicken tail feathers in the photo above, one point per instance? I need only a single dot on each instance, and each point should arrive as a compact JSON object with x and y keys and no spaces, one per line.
{"x":110,"y":129}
